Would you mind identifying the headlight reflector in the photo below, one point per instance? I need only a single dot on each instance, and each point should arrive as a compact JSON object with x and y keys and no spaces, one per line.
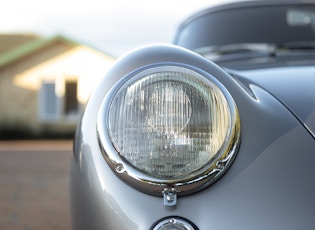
{"x":169,"y":124}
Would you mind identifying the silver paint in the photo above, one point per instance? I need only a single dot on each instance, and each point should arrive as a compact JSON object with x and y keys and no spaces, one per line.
{"x":270,"y":185}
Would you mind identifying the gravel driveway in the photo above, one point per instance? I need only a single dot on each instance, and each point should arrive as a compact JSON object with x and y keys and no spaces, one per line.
{"x":34,"y":181}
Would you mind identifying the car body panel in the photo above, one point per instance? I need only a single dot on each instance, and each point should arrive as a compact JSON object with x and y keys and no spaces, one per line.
{"x":250,"y":195}
{"x":293,"y":86}
{"x":253,"y":185}
{"x":270,"y":184}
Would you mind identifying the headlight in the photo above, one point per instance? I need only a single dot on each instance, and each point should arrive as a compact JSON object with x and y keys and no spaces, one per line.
{"x":168,"y":126}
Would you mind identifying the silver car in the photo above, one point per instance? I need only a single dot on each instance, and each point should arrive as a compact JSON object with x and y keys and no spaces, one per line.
{"x":216,"y":131}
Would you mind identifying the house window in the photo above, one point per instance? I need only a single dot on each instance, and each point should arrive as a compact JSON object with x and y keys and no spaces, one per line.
{"x":48,"y":101}
{"x":71,"y":101}
{"x":58,"y":101}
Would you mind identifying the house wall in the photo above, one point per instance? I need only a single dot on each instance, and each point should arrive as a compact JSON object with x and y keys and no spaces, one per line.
{"x":21,"y":84}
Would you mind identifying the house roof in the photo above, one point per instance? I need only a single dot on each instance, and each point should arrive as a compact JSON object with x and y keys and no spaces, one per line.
{"x":8,"y":42}
{"x":16,"y":46}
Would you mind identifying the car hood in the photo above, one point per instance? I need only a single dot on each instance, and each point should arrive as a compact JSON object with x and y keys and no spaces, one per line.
{"x":294,"y":86}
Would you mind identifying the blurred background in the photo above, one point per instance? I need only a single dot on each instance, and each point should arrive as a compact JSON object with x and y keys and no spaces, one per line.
{"x":52,"y":54}
{"x":112,"y":26}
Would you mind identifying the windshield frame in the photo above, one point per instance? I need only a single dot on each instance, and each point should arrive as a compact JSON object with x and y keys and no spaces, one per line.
{"x":223,"y":25}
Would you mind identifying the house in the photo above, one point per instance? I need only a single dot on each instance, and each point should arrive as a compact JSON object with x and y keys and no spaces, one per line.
{"x":45,"y":83}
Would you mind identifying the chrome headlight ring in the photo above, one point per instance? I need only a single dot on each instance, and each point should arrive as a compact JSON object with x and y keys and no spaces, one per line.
{"x":168,"y":129}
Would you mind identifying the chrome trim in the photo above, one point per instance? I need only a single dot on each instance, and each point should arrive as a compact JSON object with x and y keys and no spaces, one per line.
{"x":169,"y":197}
{"x":185,"y":185}
{"x":174,"y":223}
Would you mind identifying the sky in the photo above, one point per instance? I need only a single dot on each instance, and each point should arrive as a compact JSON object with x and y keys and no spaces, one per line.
{"x":113,"y":26}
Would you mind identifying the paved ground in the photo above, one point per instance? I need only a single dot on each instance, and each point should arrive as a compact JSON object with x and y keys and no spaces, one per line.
{"x":34,"y":181}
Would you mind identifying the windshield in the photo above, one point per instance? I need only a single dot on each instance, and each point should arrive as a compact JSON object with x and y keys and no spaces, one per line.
{"x":276,"y":24}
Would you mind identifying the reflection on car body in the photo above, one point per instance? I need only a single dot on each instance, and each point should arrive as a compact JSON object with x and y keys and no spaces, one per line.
{"x":214,"y":132}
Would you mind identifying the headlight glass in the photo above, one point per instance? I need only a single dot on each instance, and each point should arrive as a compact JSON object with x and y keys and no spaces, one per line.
{"x":168,"y":123}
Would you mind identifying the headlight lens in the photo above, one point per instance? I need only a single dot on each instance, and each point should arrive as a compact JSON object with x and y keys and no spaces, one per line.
{"x":169,"y":123}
